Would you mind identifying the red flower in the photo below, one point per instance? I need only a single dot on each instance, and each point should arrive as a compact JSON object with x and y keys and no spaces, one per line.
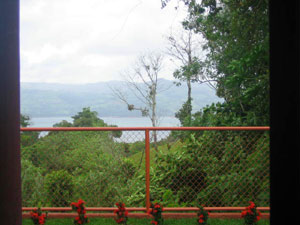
{"x":244,"y":213}
{"x":80,"y":202}
{"x":201,"y":221}
{"x":34,"y":215}
{"x":75,"y":204}
{"x":252,"y":205}
{"x":201,"y":216}
{"x":257,"y":218}
{"x":154,"y":222}
{"x":41,"y":220}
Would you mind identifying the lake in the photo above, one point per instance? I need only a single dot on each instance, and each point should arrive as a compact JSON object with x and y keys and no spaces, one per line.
{"x":119,"y":121}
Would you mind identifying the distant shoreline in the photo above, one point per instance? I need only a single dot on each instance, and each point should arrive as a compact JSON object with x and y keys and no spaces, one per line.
{"x":111,"y":120}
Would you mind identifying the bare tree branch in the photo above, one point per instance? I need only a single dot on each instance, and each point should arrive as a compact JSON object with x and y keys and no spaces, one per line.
{"x":142,"y":81}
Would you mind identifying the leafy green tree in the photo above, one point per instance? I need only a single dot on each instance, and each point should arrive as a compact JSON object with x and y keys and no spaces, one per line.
{"x":87,"y":118}
{"x":24,"y":120}
{"x":237,"y":34}
{"x":63,"y":123}
{"x":184,"y":48}
{"x":28,"y":137}
{"x":237,"y":42}
{"x":184,"y":114}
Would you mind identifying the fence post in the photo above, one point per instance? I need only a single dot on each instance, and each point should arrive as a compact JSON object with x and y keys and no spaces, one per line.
{"x":147,"y":160}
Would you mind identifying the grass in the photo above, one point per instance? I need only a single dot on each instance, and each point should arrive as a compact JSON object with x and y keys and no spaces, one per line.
{"x":132,"y":221}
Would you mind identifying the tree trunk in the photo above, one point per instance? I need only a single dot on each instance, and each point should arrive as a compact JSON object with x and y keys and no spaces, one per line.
{"x":154,"y":117}
{"x":189,"y":100}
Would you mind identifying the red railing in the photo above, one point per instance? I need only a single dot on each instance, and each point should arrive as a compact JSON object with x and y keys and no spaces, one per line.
{"x":222,"y":212}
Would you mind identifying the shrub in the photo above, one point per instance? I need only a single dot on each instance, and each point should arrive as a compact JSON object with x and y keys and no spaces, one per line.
{"x":202,"y":216}
{"x":121,"y":213}
{"x":80,"y":209}
{"x":156,"y":212}
{"x":251,"y":215}
{"x":37,"y":217}
{"x":32,"y":184}
{"x":59,"y":188}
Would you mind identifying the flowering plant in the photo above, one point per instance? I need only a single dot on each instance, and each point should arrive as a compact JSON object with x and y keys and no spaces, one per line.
{"x":37,"y":216}
{"x":202,"y":216}
{"x":251,"y":214}
{"x":121,"y":213}
{"x":156,"y":211}
{"x":80,"y":209}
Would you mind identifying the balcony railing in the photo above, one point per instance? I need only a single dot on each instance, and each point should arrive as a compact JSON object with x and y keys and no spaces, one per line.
{"x":221,"y":168}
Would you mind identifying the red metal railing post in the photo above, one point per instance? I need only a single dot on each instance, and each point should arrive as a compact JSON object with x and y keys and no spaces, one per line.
{"x":147,"y":160}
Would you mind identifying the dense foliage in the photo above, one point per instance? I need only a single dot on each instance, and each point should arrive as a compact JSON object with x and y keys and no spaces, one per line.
{"x":229,"y":171}
{"x":236,"y":34}
{"x":63,"y":166}
{"x":215,"y":168}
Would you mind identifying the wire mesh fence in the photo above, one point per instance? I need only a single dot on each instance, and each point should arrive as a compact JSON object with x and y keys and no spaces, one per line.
{"x":213,"y":168}
{"x":187,"y":167}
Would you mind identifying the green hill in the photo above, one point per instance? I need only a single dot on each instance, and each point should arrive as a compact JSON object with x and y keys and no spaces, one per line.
{"x":50,"y":99}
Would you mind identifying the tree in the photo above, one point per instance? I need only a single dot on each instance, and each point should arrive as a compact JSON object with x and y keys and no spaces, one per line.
{"x":237,"y":41}
{"x":24,"y":120}
{"x":63,"y":123}
{"x":87,"y":118}
{"x":143,"y":82}
{"x":185,"y":48}
{"x":28,"y":137}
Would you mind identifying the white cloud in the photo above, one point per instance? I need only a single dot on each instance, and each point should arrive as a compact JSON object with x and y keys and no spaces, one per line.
{"x":75,"y":41}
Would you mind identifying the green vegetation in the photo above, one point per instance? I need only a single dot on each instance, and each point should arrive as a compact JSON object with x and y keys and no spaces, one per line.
{"x":215,"y":168}
{"x":202,"y":171}
{"x":132,"y":221}
{"x":62,"y":166}
{"x":236,"y":37}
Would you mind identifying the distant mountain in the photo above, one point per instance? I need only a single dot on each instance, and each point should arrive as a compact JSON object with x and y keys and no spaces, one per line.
{"x":51,"y":99}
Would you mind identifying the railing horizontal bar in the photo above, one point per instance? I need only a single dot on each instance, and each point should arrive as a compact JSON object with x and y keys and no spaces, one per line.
{"x":136,"y":128}
{"x":167,"y":209}
{"x":87,"y":209}
{"x":213,"y":208}
{"x":145,"y":215}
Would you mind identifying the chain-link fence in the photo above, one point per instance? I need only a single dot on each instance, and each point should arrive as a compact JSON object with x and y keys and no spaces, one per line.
{"x":186,"y":167}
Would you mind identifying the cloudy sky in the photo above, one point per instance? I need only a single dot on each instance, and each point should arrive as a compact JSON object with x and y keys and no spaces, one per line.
{"x":86,"y":41}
